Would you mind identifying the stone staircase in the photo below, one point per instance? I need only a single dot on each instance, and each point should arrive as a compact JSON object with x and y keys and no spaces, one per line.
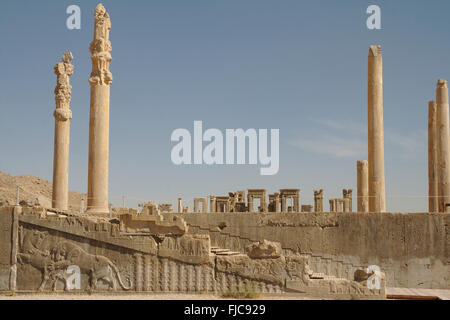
{"x":223,"y":252}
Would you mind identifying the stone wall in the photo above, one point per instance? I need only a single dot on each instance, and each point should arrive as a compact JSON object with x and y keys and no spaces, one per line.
{"x":6,"y":229}
{"x":412,"y":249}
{"x":40,"y":251}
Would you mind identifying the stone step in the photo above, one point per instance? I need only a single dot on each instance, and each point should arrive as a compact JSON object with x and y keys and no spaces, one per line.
{"x":228,"y":253}
{"x":219,"y":250}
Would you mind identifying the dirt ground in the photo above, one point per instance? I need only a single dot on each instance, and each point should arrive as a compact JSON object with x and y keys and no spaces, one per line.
{"x":152,"y":296}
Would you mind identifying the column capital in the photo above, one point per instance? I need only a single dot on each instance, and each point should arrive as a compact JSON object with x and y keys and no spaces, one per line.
{"x":375,"y":51}
{"x":100,"y":48}
{"x":63,"y":89}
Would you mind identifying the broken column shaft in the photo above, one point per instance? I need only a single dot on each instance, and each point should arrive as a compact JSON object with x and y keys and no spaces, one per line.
{"x":363,"y":185}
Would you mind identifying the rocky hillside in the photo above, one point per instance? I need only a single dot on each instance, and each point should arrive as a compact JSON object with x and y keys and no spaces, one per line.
{"x":33,"y":191}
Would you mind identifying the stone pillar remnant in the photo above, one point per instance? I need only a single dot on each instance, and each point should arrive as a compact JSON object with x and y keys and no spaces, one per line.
{"x":332,"y":205}
{"x":348,"y":194}
{"x":100,"y":82}
{"x":318,"y":200}
{"x":283,"y":204}
{"x":277,"y":202}
{"x":62,"y":114}
{"x":212,"y":203}
{"x":180,"y":207}
{"x":347,"y":205}
{"x":443,"y":132}
{"x":377,"y":192}
{"x":339,"y":205}
{"x":363,"y":185}
{"x":433,"y":199}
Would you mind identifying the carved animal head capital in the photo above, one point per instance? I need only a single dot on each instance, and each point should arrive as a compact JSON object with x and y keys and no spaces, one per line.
{"x":62,"y":114}
{"x":442,"y":83}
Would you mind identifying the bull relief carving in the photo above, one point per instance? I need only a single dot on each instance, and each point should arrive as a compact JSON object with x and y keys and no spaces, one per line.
{"x":52,"y":260}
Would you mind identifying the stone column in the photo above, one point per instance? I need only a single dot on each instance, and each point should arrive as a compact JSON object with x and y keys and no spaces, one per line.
{"x":263,"y":204}
{"x":180,"y":207}
{"x":250,"y":203}
{"x":339,"y":205}
{"x":62,"y":114}
{"x":443,"y":132}
{"x":283,"y":204}
{"x":100,"y":82}
{"x":277,"y":202}
{"x":332,"y":208}
{"x":347,"y":205}
{"x":296,"y":204}
{"x":195,"y":205}
{"x":212,"y":203}
{"x":433,"y":200}
{"x":363,"y":185}
{"x":348,"y":194}
{"x":318,"y":200}
{"x":377,"y":193}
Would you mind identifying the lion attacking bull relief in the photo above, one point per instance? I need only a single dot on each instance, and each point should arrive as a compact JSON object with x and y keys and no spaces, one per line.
{"x":53,"y":260}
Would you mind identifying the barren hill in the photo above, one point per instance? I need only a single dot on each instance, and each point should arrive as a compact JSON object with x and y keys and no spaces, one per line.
{"x":33,"y":190}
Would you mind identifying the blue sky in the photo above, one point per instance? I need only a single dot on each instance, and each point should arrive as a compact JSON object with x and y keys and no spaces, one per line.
{"x":299,"y":66}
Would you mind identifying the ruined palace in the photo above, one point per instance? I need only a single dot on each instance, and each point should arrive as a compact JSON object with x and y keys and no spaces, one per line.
{"x":267,"y":240}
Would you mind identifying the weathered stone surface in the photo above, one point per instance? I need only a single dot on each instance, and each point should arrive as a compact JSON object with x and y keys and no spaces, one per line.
{"x":433,"y":170}
{"x":318,"y":200}
{"x":340,"y":243}
{"x":362,"y":168}
{"x":188,"y":248}
{"x":264,"y":250}
{"x":48,"y":244}
{"x":443,"y":149}
{"x":62,"y":114}
{"x":152,"y":221}
{"x":100,"y":81}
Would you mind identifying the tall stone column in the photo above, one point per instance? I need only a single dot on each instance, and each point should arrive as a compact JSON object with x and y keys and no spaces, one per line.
{"x":100,"y":82}
{"x":433,"y":200}
{"x":377,"y":192}
{"x":180,"y":207}
{"x":363,"y":185}
{"x":318,"y":200}
{"x":443,"y":132}
{"x":62,"y":114}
